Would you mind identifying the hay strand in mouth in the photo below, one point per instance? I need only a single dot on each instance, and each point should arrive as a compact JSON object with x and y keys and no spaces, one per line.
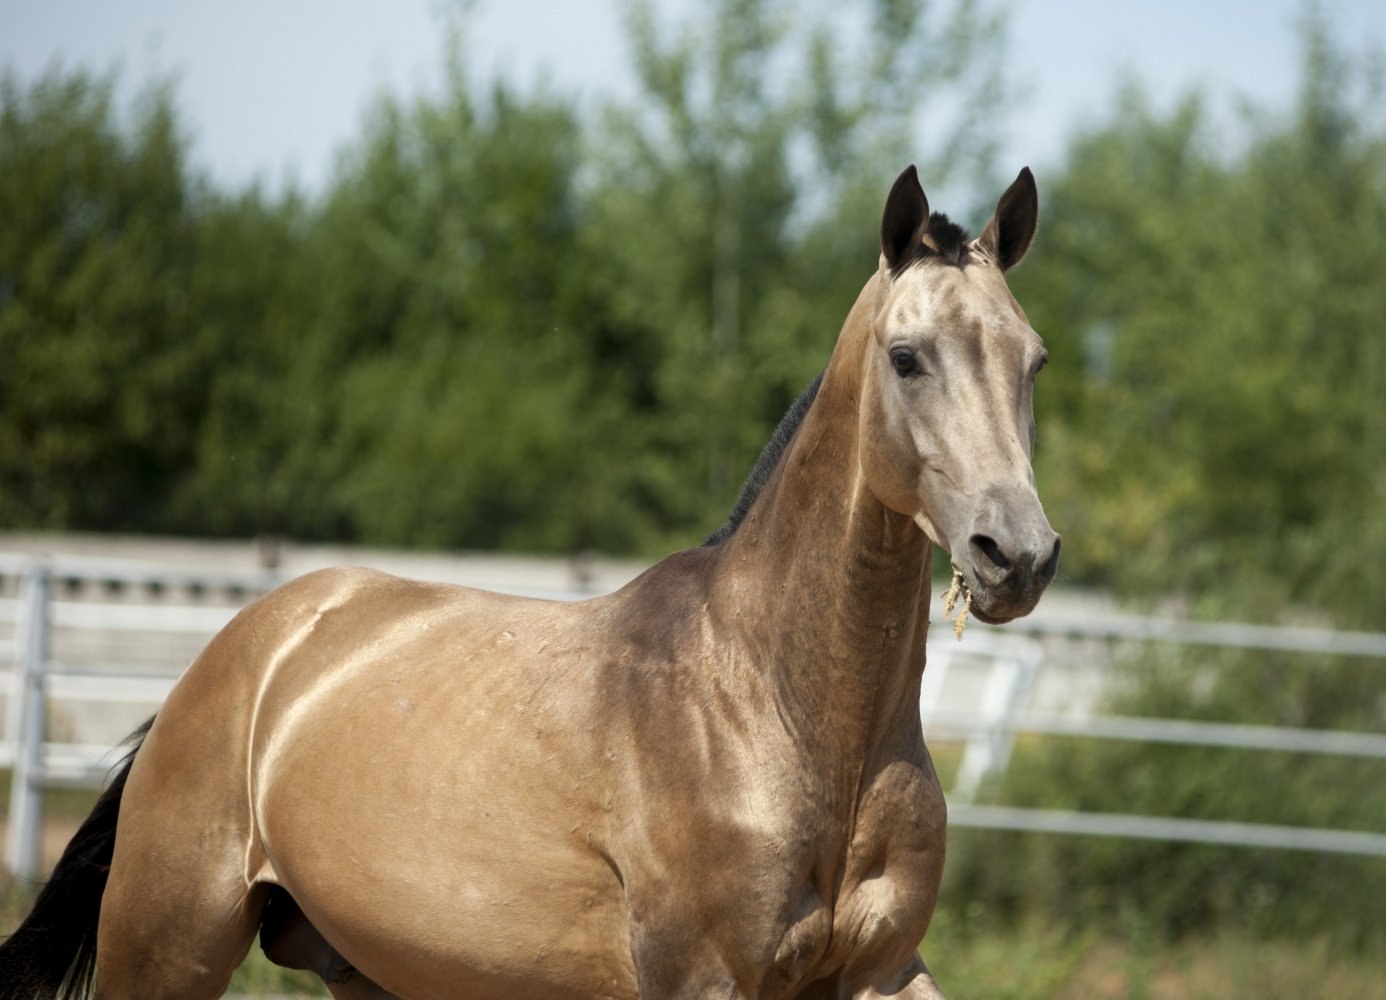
{"x":958,"y":587}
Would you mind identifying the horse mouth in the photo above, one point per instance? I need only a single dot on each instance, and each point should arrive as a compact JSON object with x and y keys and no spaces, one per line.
{"x":989,"y":611}
{"x":989,"y":619}
{"x":969,"y":596}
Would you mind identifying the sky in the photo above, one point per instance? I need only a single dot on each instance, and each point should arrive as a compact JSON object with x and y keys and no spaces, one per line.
{"x":272,"y":90}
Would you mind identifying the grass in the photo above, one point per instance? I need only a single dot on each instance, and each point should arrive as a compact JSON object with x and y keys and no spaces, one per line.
{"x":1047,"y":963}
{"x":259,"y":977}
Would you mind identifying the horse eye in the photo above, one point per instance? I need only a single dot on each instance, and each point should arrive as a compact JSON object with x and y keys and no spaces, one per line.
{"x":904,"y":361}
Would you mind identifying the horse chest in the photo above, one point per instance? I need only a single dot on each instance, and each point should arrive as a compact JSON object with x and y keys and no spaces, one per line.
{"x":774,"y":914}
{"x":841,"y":909}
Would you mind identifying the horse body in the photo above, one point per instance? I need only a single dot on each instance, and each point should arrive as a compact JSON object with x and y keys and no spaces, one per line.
{"x":466,"y":801}
{"x":712,"y":782}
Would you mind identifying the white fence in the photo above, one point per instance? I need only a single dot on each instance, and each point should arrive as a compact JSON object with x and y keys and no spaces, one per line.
{"x":94,"y":645}
{"x":1004,"y":718}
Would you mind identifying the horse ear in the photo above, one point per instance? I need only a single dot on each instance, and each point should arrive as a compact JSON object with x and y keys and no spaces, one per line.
{"x":1011,"y":229}
{"x":906,"y":218}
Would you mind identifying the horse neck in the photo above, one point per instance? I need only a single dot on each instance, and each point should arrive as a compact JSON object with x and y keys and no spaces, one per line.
{"x":828,"y":585}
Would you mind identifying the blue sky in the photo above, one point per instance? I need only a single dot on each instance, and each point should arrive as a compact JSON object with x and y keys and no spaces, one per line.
{"x":272,"y":90}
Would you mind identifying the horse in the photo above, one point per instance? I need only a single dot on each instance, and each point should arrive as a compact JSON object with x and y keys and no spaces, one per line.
{"x":712,"y":782}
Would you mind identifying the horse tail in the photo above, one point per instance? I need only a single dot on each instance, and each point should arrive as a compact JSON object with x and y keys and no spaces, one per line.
{"x":53,"y":952}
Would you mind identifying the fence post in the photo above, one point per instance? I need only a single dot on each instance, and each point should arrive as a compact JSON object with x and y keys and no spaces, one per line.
{"x":26,"y":721}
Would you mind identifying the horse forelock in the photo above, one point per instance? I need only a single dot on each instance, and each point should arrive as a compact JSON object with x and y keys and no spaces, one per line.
{"x":944,"y":242}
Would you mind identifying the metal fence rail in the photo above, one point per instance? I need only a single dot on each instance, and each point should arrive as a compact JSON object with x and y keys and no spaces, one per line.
{"x":1190,"y":831}
{"x":990,"y":733}
{"x":1231,"y":735}
{"x":1231,"y":635}
{"x":980,"y":691}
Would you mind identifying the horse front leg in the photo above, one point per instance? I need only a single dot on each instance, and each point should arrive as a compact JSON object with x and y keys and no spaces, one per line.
{"x":913,"y":982}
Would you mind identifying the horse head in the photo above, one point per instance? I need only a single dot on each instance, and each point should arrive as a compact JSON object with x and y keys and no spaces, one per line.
{"x":947,"y":423}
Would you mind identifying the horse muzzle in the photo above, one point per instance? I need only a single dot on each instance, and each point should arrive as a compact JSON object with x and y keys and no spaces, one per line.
{"x":1007,"y":571}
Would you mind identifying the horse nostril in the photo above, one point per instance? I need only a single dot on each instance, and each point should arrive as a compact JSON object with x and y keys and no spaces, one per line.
{"x":989,"y":548}
{"x":1051,"y":565}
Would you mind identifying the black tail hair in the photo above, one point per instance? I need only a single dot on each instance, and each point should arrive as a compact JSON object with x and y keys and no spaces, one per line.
{"x":53,"y":953}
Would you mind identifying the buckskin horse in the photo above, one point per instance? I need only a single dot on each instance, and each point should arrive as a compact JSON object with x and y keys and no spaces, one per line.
{"x":710,"y":783}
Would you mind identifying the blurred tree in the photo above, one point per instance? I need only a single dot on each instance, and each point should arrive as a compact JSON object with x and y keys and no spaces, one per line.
{"x":1212,"y":429}
{"x":439,"y":389}
{"x":489,"y":332}
{"x":735,"y":208}
{"x":1215,"y":426}
{"x":105,"y":367}
{"x":256,"y":284}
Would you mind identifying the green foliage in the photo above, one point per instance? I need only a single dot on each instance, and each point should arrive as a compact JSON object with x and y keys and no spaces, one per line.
{"x":1047,"y":959}
{"x":507,"y":325}
{"x":503,"y":326}
{"x":1174,"y":891}
{"x":1217,"y":415}
{"x":255,"y":286}
{"x":422,"y":390}
{"x":1212,"y":429}
{"x":104,"y":368}
{"x":734,"y":209}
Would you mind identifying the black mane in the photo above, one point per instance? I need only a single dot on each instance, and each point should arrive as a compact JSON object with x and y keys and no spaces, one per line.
{"x":944,"y":240}
{"x":769,"y":458}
